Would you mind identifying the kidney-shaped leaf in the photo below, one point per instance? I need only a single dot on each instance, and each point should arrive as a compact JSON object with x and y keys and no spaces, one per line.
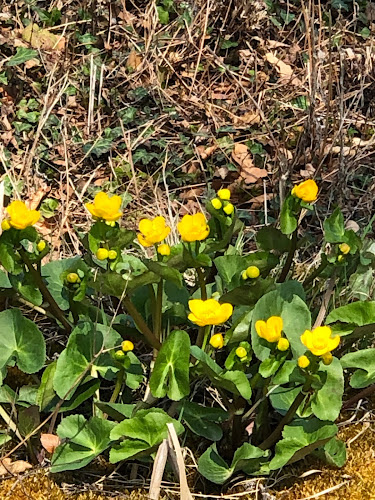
{"x":327,"y":401}
{"x":83,"y":441}
{"x":170,"y":375}
{"x":22,"y":341}
{"x":364,"y":360}
{"x":144,"y":431}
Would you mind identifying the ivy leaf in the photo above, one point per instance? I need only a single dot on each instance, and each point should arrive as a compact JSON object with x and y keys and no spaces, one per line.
{"x":22,"y":55}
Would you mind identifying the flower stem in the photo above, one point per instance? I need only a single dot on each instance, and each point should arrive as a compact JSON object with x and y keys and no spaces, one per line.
{"x":141,"y":323}
{"x":315,"y":273}
{"x":289,"y":259}
{"x":37,"y":277}
{"x":118,"y":385}
{"x":274,"y":436}
{"x":158,"y":310}
{"x":203,"y":334}
{"x":202,"y":283}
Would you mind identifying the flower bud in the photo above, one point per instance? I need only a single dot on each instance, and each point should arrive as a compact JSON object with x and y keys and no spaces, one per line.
{"x":217,"y":341}
{"x":110,"y":223}
{"x":5,"y":225}
{"x":303,"y":361}
{"x":127,"y":345}
{"x":164,"y":249}
{"x":327,"y":358}
{"x":72,"y":278}
{"x":344,"y":248}
{"x":119,"y":355}
{"x":216,"y":203}
{"x":112,"y":255}
{"x":41,"y":246}
{"x":252,"y":272}
{"x":340,"y":258}
{"x":229,"y":209}
{"x":224,"y":194}
{"x":283,"y":344}
{"x":102,"y":254}
{"x":241,"y":352}
{"x":244,"y":275}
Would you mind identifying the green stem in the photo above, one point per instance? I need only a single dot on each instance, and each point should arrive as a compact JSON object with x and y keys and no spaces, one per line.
{"x":55,"y":309}
{"x":202,"y":283}
{"x":203,"y":334}
{"x":118,"y":385}
{"x":274,"y":436}
{"x":289,"y":259}
{"x":153,"y":305}
{"x":141,"y":323}
{"x":315,"y":273}
{"x":158,"y":310}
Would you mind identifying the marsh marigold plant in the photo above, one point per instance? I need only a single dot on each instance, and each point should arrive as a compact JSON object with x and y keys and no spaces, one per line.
{"x":152,"y":231}
{"x":209,"y":312}
{"x":193,"y":228}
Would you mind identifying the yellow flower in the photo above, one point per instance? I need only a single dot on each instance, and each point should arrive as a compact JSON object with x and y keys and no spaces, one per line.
{"x":217,"y":341}
{"x":112,"y":255}
{"x":216,"y":203}
{"x":344,"y":248}
{"x":224,"y":194}
{"x":5,"y":225}
{"x":229,"y":209}
{"x":72,"y":278}
{"x":319,"y":341}
{"x":21,"y":217}
{"x":193,"y":227}
{"x":102,"y":254}
{"x":327,"y":358}
{"x":152,"y":231}
{"x":283,"y":344}
{"x":244,"y":275}
{"x":119,"y":355}
{"x":340,"y":258}
{"x":105,"y":207}
{"x":252,"y":272}
{"x":271,"y":329}
{"x":41,"y":246}
{"x":303,"y":361}
{"x":306,"y":190}
{"x":164,"y":249}
{"x":241,"y":352}
{"x":127,"y":345}
{"x":209,"y":312}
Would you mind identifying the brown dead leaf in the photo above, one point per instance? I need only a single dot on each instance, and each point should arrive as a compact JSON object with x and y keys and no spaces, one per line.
{"x":258,"y":201}
{"x":284,"y":70}
{"x":249,"y":118}
{"x":248,"y":171}
{"x":40,"y":38}
{"x":191,"y":194}
{"x":50,"y":442}
{"x":206,"y":152}
{"x":9,"y":467}
{"x":36,"y":196}
{"x":308,"y":171}
{"x":134,"y":60}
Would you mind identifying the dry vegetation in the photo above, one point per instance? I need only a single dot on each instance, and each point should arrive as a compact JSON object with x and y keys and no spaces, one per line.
{"x":165,"y":100}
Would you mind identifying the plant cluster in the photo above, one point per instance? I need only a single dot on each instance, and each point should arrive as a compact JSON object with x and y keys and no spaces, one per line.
{"x":214,"y":315}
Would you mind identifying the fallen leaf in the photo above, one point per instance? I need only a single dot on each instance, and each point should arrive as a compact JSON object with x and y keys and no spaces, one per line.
{"x":49,"y":442}
{"x":134,"y":60}
{"x":250,"y":118}
{"x":284,"y":70}
{"x":248,"y":171}
{"x":308,"y":171}
{"x":191,"y":194}
{"x":40,"y":38}
{"x":9,"y":467}
{"x":258,"y":201}
{"x":206,"y":152}
{"x":221,"y":172}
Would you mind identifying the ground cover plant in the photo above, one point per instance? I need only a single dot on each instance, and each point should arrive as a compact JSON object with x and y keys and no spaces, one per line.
{"x":215,"y":316}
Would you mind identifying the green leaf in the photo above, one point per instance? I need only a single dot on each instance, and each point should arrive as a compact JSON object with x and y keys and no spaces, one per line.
{"x":52,"y":273}
{"x":288,"y":219}
{"x":269,"y":238}
{"x":28,"y":419}
{"x":117,"y":411}
{"x":334,"y":227}
{"x":23,"y":283}
{"x":81,"y":357}
{"x":46,"y":393}
{"x":300,"y":438}
{"x":4,"y":280}
{"x":203,"y":421}
{"x":170,"y":375}
{"x":240,"y":330}
{"x":234,"y":381}
{"x":162,"y":14}
{"x":22,"y":55}
{"x":248,"y":294}
{"x":294,"y":312}
{"x":269,"y":366}
{"x":165,"y":271}
{"x":359,"y":313}
{"x":114,"y":284}
{"x":333,"y":453}
{"x":327,"y":401}
{"x":22,"y":341}
{"x":133,"y":371}
{"x":83,"y":441}
{"x":364,"y":360}
{"x":142,"y":433}
{"x":247,"y":458}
